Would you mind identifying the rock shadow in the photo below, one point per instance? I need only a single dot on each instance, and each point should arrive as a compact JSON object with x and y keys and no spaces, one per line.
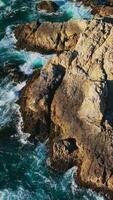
{"x":109,"y":110}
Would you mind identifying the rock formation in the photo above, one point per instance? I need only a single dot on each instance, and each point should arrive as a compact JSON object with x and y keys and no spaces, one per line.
{"x":70,"y":101}
{"x":101,"y":8}
{"x":48,"y":6}
{"x":49,"y":37}
{"x":97,"y":2}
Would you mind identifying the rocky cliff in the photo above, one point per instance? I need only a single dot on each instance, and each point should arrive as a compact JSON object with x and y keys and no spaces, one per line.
{"x":70,"y":99}
{"x":49,"y":37}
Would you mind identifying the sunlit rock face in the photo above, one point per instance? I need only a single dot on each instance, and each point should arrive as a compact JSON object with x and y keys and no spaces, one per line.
{"x":24,"y":173}
{"x":80,"y":108}
{"x":49,"y":37}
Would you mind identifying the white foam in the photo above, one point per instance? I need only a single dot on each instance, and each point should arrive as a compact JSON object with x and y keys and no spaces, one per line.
{"x":32,"y":60}
{"x":9,"y":95}
{"x":94,"y":194}
{"x":22,"y":136}
{"x":2,"y":3}
{"x":77,"y":10}
{"x":9,"y":39}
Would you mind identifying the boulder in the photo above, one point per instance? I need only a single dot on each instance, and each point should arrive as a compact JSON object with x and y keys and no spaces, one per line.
{"x":48,"y":6}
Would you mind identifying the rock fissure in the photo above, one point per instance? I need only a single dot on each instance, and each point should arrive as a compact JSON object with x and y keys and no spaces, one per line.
{"x":71,"y":100}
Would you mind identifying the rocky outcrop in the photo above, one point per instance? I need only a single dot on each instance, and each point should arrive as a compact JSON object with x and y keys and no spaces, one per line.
{"x":48,"y":6}
{"x":103,"y":10}
{"x":97,"y":2}
{"x":49,"y":37}
{"x":71,"y":102}
{"x":81,"y":108}
{"x":100,"y":8}
{"x":36,"y":100}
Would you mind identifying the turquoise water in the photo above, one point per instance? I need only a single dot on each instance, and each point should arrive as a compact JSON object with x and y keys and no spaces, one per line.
{"x":24,"y":174}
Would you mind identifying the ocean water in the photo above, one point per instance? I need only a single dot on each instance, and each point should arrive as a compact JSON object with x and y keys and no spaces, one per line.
{"x":24,"y":174}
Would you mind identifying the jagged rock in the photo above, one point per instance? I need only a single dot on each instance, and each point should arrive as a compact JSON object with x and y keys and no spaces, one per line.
{"x":102,"y":10}
{"x":64,"y":154}
{"x":82,"y":104}
{"x":48,"y":6}
{"x":36,"y":100}
{"x":49,"y":37}
{"x":73,"y":96}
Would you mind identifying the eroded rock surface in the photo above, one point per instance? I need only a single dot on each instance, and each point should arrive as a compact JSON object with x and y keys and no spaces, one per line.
{"x":73,"y":96}
{"x":49,"y":37}
{"x":36,"y":100}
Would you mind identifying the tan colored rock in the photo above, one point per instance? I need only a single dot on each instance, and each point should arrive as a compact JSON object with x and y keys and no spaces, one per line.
{"x":110,"y":182}
{"x":49,"y":37}
{"x":103,"y":10}
{"x":80,"y":110}
{"x":82,"y":105}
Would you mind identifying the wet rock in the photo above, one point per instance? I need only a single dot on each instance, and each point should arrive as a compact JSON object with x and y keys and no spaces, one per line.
{"x":49,"y":37}
{"x":62,"y":154}
{"x":13,"y":72}
{"x":48,"y":6}
{"x":36,"y":99}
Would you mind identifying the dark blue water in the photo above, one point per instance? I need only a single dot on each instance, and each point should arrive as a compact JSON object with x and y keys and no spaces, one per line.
{"x":24,"y":174}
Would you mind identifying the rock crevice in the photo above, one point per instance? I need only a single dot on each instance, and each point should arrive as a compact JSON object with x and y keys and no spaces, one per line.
{"x":74,"y":93}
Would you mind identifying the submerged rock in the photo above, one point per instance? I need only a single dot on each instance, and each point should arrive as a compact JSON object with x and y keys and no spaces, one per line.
{"x":71,"y":102}
{"x":49,"y":37}
{"x":48,"y":6}
{"x":13,"y":72}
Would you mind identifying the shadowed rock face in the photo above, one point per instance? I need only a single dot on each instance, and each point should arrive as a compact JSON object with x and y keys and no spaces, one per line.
{"x":49,"y":37}
{"x":97,"y":2}
{"x":71,"y":101}
{"x":37,"y":97}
